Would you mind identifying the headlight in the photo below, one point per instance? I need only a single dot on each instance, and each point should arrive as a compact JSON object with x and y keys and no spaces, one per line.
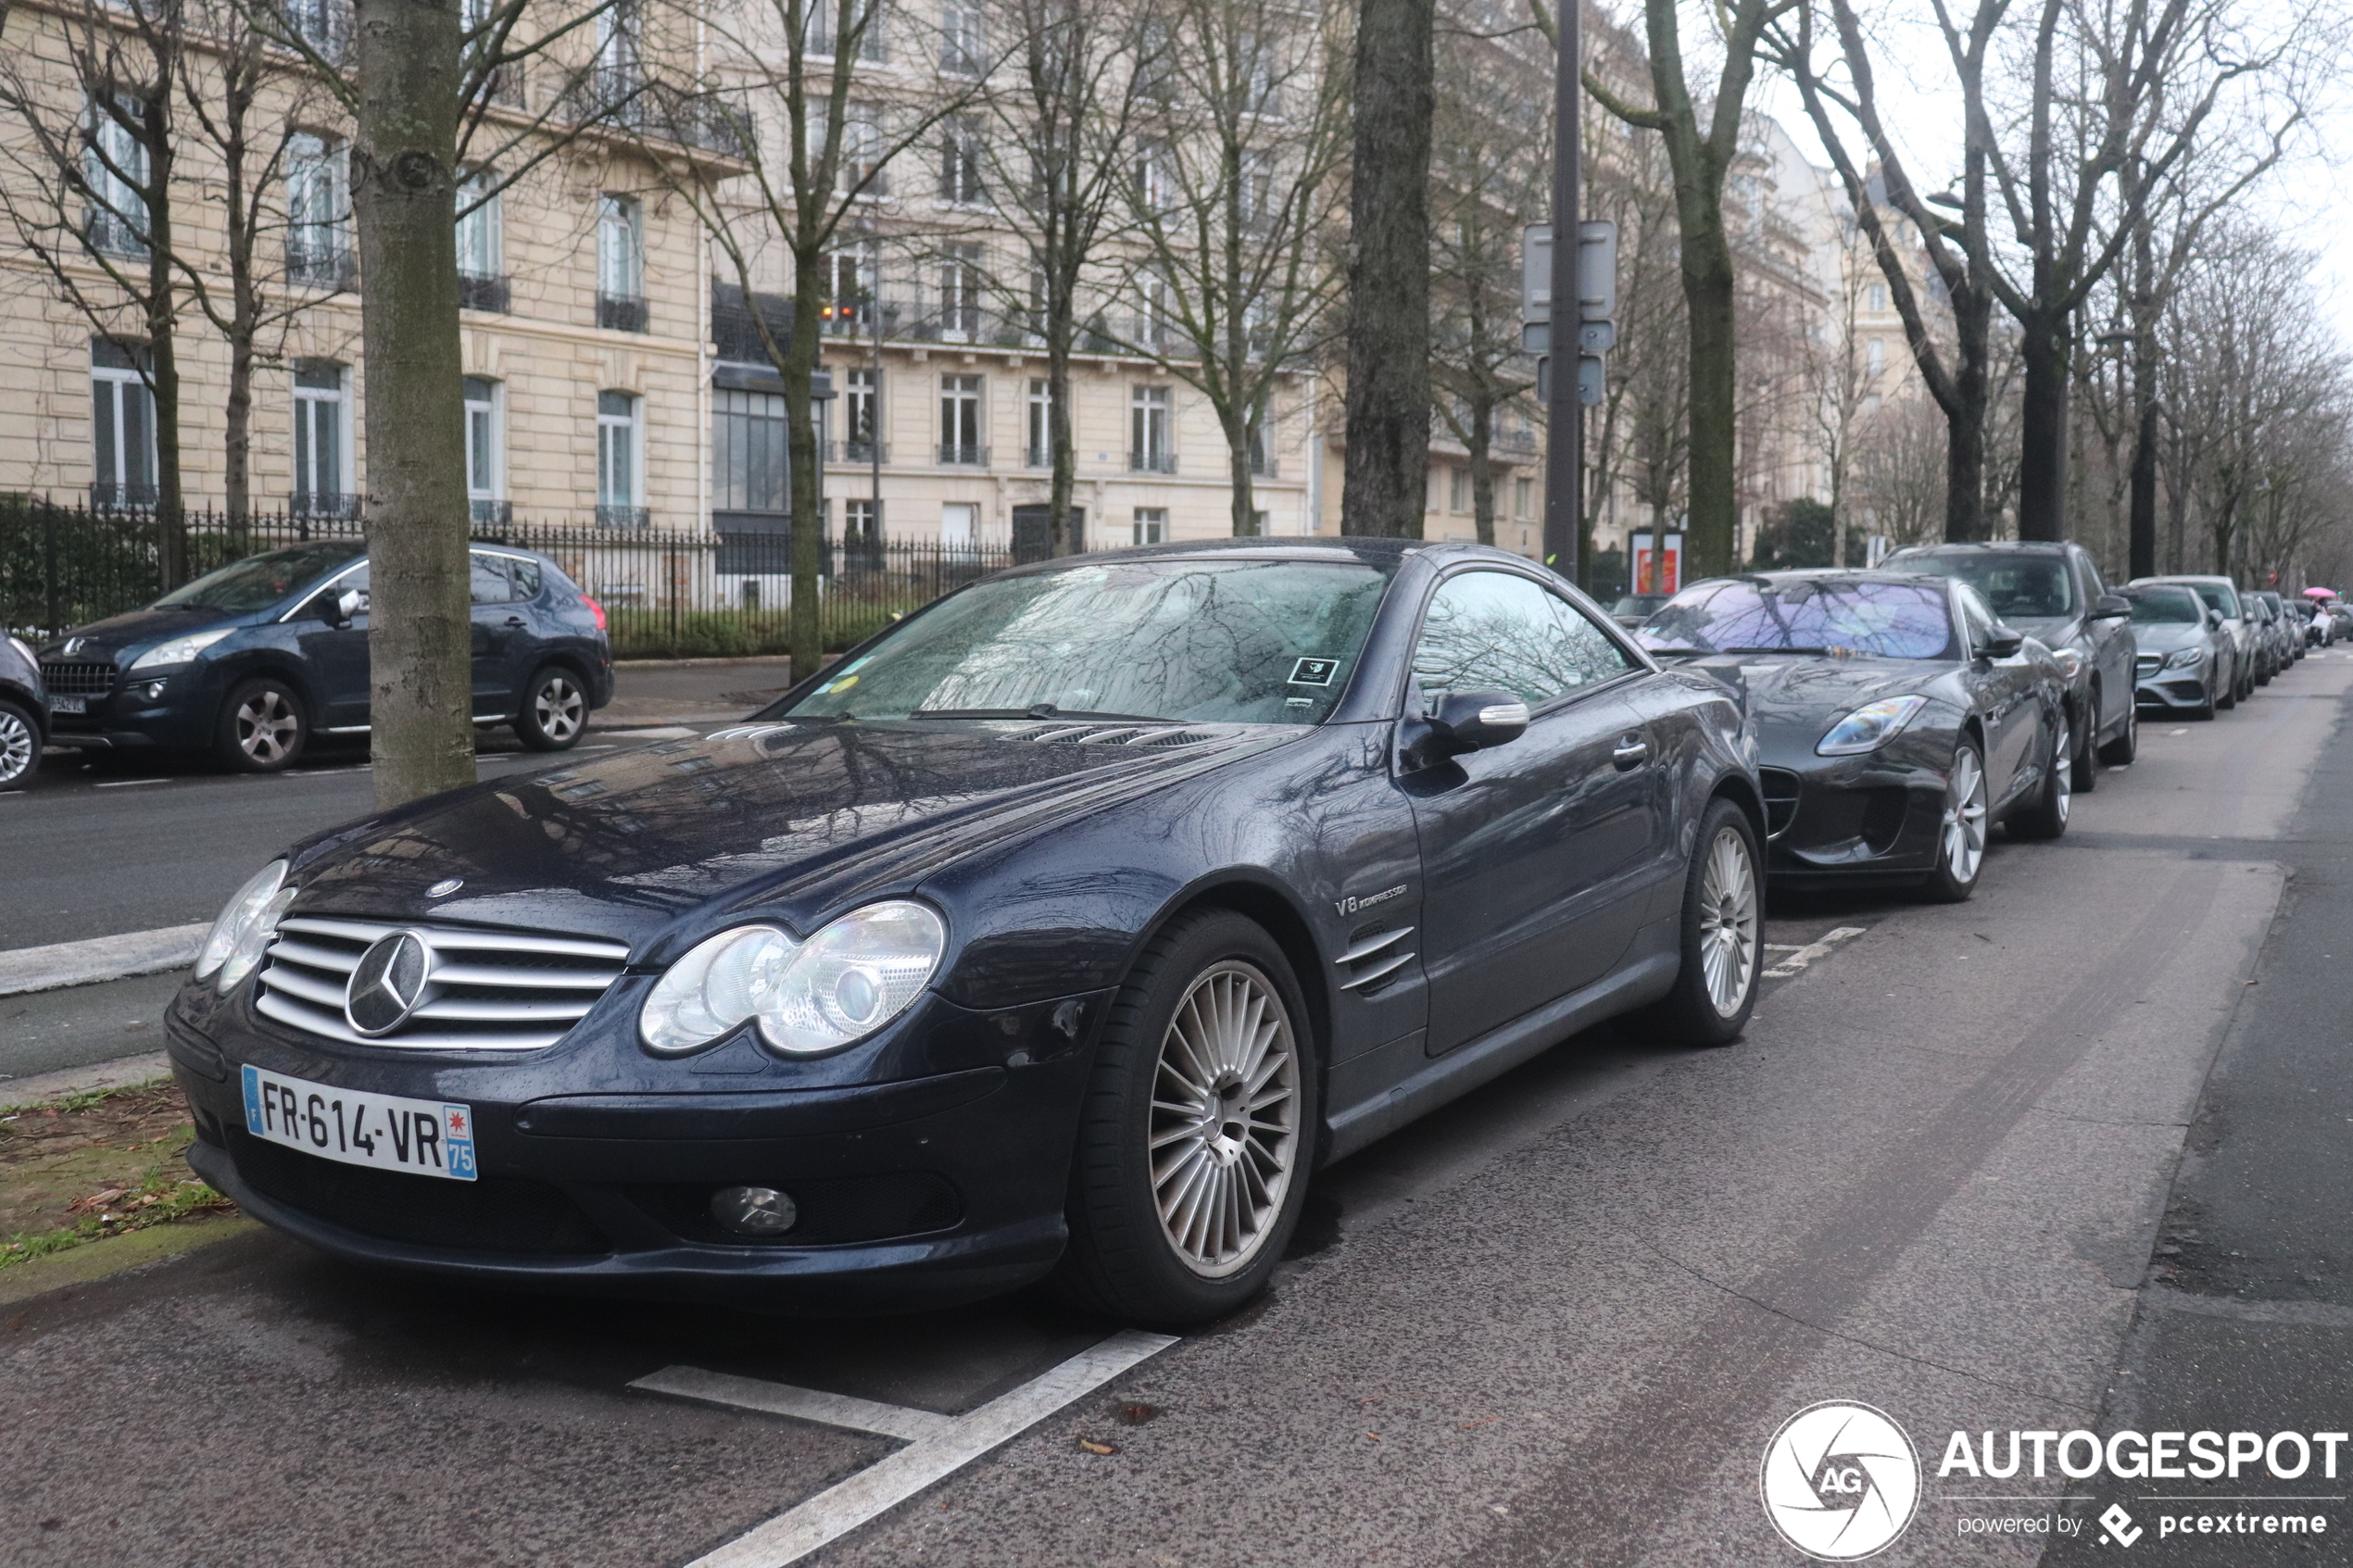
{"x":2071,"y":662}
{"x":843,"y":984}
{"x":244,"y":928}
{"x":180,"y":650}
{"x":1869,"y":726}
{"x":2185,"y":658}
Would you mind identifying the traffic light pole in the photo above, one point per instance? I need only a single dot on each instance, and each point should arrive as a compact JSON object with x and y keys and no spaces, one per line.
{"x":1564,"y":445}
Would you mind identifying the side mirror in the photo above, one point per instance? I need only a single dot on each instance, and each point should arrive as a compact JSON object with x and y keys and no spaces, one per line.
{"x":2112,"y":607}
{"x":351,"y":602}
{"x":1471,"y":720}
{"x":2001,"y":642}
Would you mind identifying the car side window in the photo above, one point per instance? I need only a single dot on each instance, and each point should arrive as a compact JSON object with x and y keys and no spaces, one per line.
{"x":526,"y":575}
{"x":1977,"y":622}
{"x":1496,"y":631}
{"x":490,"y":583}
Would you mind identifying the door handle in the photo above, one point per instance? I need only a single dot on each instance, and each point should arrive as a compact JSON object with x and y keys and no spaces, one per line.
{"x":516,"y":621}
{"x":1632,"y":752}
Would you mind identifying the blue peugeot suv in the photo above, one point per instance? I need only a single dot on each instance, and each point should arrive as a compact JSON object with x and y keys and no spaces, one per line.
{"x":250,"y":661}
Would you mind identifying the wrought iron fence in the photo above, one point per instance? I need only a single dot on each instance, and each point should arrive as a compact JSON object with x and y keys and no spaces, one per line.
{"x":665,"y":594}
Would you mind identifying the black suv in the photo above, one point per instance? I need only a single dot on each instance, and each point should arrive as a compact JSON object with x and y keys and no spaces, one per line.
{"x":251,"y":660}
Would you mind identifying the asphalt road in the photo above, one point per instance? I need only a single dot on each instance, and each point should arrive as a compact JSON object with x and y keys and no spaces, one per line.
{"x":1556,"y":1323}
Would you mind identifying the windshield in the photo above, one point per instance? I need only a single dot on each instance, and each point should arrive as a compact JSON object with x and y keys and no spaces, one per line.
{"x":1208,"y":642}
{"x":2019,"y":587}
{"x":259,"y":582}
{"x":2166,"y":607}
{"x":2221,"y":595}
{"x":1885,"y":620}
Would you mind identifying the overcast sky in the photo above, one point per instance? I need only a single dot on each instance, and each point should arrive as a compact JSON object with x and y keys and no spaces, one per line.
{"x":2305,"y":200}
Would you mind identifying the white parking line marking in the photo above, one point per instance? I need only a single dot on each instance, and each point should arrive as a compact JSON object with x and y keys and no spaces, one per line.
{"x":2177,"y":732}
{"x":128,"y":784}
{"x":809,"y":1404}
{"x":1807,"y":954}
{"x":838,"y":1509}
{"x":101,"y":958}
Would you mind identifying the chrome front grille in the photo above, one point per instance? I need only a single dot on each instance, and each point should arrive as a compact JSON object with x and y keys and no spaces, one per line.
{"x":484,"y":990}
{"x":2147,"y":664}
{"x":1121,"y":734}
{"x":71,"y":678}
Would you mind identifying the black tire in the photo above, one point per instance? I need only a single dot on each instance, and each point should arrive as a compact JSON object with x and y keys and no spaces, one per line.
{"x":555,"y":709}
{"x":2230,"y":697}
{"x":1123,"y":1260}
{"x":2044,"y":815}
{"x":2083,"y":768}
{"x":2119,"y":752}
{"x":1695,"y":1011}
{"x":264,"y":727}
{"x":1959,"y":865}
{"x":2208,"y":709}
{"x":20,"y":745}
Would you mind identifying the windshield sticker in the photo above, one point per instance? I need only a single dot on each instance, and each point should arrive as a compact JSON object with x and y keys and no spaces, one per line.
{"x":1313,"y":672}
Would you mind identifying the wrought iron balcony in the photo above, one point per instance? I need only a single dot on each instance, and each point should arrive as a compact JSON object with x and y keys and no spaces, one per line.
{"x":1152,"y":462}
{"x":624,"y":517}
{"x":621,"y":312}
{"x":490,"y":514}
{"x":482,"y":291}
{"x":955,"y":454}
{"x":110,"y":497}
{"x":857,"y":452}
{"x":322,"y":504}
{"x":321,"y":264}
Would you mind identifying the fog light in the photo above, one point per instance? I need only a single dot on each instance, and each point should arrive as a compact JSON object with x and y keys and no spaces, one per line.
{"x":152,"y":690}
{"x":754,"y":1211}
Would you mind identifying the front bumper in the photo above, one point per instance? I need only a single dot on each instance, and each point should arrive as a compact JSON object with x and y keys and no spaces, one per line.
{"x":922,"y":1192}
{"x":2171,"y":689}
{"x":183,"y":718}
{"x":1843,"y":818}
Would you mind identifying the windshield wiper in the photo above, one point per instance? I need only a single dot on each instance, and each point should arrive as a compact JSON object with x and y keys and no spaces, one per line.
{"x":1771,"y":650}
{"x":1035,"y":710}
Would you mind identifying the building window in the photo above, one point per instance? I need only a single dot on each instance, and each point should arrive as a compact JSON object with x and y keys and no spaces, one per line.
{"x":861,"y":171}
{"x":619,"y":501}
{"x":960,"y":161}
{"x":482,"y":282}
{"x":114,"y":165}
{"x":862,"y":417}
{"x":1150,"y":450}
{"x":1038,"y":449}
{"x":1151,"y":320}
{"x":325,"y":25}
{"x":1876,"y":353}
{"x":1458,"y":489}
{"x":864,"y":26}
{"x":1875,"y":298}
{"x":862,"y":522}
{"x":619,"y":74}
{"x":1523,"y":497}
{"x":621,"y":263}
{"x":963,"y":42}
{"x":1262,"y":457}
{"x":317,"y":247}
{"x":122,"y":429}
{"x":1153,"y":184}
{"x":321,"y":477}
{"x":1258,"y":524}
{"x":960,"y":286}
{"x":1152,"y":525}
{"x":960,"y":421}
{"x":960,"y":524}
{"x":747,"y":459}
{"x":482,"y":453}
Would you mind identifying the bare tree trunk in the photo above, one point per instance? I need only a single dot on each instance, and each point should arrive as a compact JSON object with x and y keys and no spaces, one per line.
{"x":1481,"y":447}
{"x":1065,"y":540}
{"x":2143,"y":528}
{"x":404,"y":198}
{"x":1245,"y":500}
{"x":803,"y":466}
{"x":2042,"y":486}
{"x":1385,"y":485}
{"x":1708,"y":285}
{"x":237,"y":446}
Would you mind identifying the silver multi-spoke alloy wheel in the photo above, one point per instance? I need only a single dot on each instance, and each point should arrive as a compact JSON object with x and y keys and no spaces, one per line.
{"x":1224,"y":1119}
{"x":560,"y":708}
{"x":267,"y":726}
{"x":18,"y":745}
{"x":1728,"y":927}
{"x":1965,"y":817}
{"x":2063,"y":771}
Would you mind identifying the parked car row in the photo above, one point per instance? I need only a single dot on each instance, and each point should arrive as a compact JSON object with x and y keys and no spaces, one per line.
{"x":252,"y":661}
{"x":1064,"y":929}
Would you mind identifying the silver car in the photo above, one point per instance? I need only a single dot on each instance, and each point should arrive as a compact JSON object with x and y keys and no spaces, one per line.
{"x":2183,"y":658}
{"x":24,"y":712}
{"x":2221,"y":596}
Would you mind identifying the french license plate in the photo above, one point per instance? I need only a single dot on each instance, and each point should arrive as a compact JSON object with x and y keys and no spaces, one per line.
{"x":422,"y":1137}
{"x":69,"y":704}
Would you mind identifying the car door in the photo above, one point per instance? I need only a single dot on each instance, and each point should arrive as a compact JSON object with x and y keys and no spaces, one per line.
{"x":498,"y":629}
{"x":1533,"y":852}
{"x":337,"y":656}
{"x":2112,"y":644}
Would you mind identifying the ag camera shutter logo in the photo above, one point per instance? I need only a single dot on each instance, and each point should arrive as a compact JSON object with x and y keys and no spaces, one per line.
{"x":1839,"y":1481}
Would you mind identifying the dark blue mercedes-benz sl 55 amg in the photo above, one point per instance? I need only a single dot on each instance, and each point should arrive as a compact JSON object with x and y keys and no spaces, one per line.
{"x":1062,"y":929}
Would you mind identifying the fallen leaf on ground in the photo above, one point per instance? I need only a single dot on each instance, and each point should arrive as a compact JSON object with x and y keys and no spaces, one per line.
{"x":1092,"y":1446}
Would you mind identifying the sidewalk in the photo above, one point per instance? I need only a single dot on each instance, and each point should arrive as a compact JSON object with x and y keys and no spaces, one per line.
{"x":656,"y":691}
